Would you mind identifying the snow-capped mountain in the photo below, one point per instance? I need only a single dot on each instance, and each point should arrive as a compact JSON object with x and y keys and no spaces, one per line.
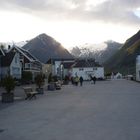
{"x":100,"y":52}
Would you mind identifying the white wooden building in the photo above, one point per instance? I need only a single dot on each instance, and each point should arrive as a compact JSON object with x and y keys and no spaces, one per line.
{"x":72,"y":68}
{"x":85,"y":68}
{"x":59,"y":67}
{"x":138,"y":68}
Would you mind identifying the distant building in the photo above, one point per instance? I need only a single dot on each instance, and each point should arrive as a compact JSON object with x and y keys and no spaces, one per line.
{"x":87,"y":67}
{"x":72,"y":67}
{"x":138,"y":68}
{"x":67,"y":68}
{"x":116,"y":75}
{"x":59,"y":67}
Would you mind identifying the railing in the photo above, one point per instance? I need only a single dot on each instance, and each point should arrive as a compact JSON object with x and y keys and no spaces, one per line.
{"x":31,"y":66}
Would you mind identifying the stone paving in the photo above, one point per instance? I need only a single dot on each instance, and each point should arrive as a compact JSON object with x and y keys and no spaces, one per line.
{"x":109,"y":110}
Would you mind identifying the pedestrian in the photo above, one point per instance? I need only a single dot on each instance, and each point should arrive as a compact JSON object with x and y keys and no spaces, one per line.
{"x":94,"y":79}
{"x":81,"y":80}
{"x":72,"y":80}
{"x":76,"y":80}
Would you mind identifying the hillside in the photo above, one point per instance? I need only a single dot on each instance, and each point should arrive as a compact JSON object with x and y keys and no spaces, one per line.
{"x":124,"y":60}
{"x":111,"y":49}
{"x":44,"y":47}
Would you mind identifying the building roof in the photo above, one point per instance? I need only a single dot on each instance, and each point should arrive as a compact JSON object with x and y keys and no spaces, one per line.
{"x":25,"y":53}
{"x":52,"y":60}
{"x":1,"y":52}
{"x":67,"y":65}
{"x":7,"y":59}
{"x":86,"y":63}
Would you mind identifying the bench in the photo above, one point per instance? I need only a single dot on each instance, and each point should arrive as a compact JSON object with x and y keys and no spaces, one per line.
{"x":29,"y":93}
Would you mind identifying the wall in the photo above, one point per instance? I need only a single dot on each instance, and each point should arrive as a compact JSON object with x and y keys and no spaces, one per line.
{"x":57,"y":67}
{"x":138,"y":68}
{"x":85,"y":72}
{"x":15,"y":67}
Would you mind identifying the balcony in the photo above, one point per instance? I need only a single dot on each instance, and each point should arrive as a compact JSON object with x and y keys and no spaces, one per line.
{"x":32,"y":66}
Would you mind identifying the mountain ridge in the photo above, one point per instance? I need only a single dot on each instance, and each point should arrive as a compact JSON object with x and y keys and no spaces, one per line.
{"x":101,"y":53}
{"x":44,"y":47}
{"x":124,"y":60}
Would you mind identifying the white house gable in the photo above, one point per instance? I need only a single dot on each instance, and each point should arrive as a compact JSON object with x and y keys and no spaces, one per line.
{"x":15,"y":67}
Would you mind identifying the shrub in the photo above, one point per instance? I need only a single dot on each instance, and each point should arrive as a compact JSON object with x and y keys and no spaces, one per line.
{"x":39,"y":80}
{"x":8,"y":83}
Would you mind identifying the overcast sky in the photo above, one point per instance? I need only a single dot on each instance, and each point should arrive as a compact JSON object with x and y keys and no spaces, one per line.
{"x":71,"y":22}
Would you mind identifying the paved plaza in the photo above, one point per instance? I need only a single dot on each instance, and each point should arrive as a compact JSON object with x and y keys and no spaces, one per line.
{"x":108,"y":110}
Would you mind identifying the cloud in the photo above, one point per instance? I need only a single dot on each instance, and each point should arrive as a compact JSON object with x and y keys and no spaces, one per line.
{"x":110,"y":11}
{"x":117,"y":11}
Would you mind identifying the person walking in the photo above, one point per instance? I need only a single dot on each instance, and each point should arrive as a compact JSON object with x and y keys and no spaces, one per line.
{"x":94,"y":79}
{"x":76,"y":80}
{"x":81,"y":80}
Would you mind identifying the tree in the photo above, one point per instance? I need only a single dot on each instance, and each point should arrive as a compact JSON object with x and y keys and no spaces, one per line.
{"x":9,"y":84}
{"x":39,"y":80}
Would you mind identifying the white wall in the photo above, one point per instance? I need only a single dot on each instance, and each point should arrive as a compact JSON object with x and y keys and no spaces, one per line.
{"x":118,"y":76}
{"x":138,"y":68}
{"x":57,"y":66}
{"x":98,"y":72}
{"x":15,"y":67}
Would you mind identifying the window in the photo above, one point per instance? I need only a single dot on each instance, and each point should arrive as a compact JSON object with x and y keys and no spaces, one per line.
{"x":81,"y":69}
{"x":94,"y":68}
{"x":27,"y":65}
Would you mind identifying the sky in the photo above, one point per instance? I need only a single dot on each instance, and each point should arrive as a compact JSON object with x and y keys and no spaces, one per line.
{"x":70,"y":22}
